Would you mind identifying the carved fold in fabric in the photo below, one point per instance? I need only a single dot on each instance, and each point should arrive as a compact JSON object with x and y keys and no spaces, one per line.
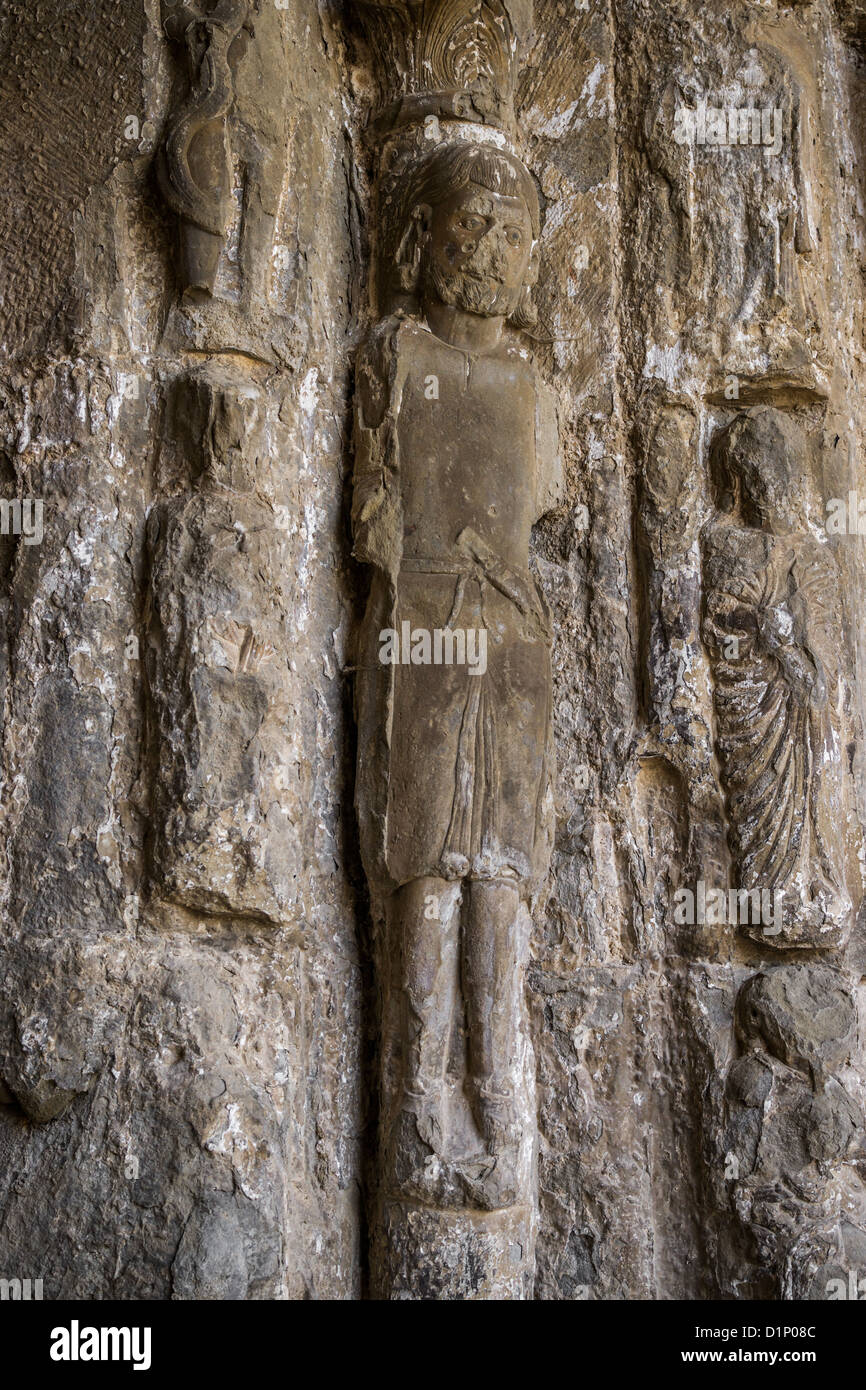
{"x":473,"y":845}
{"x":466,"y":802}
{"x":472,"y":833}
{"x":779,"y":742}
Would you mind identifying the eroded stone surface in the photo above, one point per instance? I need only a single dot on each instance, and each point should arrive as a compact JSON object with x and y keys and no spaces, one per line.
{"x":187,"y":1009}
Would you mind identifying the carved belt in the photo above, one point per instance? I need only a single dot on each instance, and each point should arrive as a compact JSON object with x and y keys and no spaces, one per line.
{"x":421,"y":564}
{"x":483,"y":564}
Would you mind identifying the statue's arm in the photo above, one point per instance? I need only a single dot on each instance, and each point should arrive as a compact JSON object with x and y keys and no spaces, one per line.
{"x":550,"y":492}
{"x":803,"y":667}
{"x":761,"y":628}
{"x":375,"y":496}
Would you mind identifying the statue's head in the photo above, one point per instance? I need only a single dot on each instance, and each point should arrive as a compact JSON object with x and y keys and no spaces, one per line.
{"x":759,"y":466}
{"x":470,"y":223}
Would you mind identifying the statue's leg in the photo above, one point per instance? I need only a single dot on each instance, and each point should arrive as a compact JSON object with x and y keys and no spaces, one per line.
{"x":490,"y":986}
{"x":424,"y":917}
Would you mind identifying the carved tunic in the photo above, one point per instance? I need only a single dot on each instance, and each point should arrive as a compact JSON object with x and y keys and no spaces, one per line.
{"x":454,"y":767}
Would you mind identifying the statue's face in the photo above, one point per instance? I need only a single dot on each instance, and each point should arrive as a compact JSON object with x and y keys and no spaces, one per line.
{"x":478,"y":251}
{"x":774,"y":487}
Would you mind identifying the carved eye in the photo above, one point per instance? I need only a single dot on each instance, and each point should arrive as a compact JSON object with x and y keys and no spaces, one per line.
{"x":470,"y":224}
{"x":514,"y":237}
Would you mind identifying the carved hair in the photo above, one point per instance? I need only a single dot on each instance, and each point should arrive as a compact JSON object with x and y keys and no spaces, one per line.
{"x":444,"y":172}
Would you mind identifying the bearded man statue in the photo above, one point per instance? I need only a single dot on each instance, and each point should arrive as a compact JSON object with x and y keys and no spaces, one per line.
{"x":456,"y":459}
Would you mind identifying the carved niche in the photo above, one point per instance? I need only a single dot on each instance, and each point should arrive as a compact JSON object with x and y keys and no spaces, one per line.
{"x":771,"y":625}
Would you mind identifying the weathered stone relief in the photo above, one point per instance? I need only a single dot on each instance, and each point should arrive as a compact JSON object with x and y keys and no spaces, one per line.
{"x":225,"y":838}
{"x":224,"y":170}
{"x":790,"y":1122}
{"x":454,"y":463}
{"x":180,"y":993}
{"x":445,"y":59}
{"x":668,"y":524}
{"x":771,"y":626}
{"x":780,"y":322}
{"x":730,"y":333}
{"x":196,"y":169}
{"x":733,"y":142}
{"x":554,"y":1083}
{"x":454,"y":816}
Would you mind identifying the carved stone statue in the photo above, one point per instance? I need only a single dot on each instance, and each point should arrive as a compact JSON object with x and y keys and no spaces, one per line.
{"x":195,"y":170}
{"x":790,"y":1122}
{"x":225,"y":171}
{"x":454,"y":765}
{"x":771,"y":627}
{"x":216,"y":657}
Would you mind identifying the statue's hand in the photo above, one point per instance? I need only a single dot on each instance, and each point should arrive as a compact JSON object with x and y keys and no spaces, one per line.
{"x":775,"y":627}
{"x":524,"y":595}
{"x":376,"y":526}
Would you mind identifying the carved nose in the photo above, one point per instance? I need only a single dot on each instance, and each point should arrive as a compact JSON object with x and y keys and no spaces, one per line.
{"x":499,"y":255}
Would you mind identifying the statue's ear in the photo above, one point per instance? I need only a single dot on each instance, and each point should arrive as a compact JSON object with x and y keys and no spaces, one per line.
{"x":408,"y":256}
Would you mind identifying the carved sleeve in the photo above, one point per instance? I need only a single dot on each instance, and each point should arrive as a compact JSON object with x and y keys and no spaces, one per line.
{"x":376,"y":511}
{"x":550,"y":479}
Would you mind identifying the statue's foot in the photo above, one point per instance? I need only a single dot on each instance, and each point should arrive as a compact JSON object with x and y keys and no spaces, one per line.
{"x":496,"y":1114}
{"x":490,"y":1182}
{"x":427,"y":1109}
{"x":490,"y":1179}
{"x":417,"y":1171}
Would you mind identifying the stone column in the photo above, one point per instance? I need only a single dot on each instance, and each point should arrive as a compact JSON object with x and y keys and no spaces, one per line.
{"x":455,"y":457}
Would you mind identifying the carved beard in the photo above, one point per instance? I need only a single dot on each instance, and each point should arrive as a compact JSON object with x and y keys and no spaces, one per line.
{"x":475,"y":296}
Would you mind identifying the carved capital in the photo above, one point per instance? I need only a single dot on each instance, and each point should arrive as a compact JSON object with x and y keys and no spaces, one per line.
{"x":452,"y":59}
